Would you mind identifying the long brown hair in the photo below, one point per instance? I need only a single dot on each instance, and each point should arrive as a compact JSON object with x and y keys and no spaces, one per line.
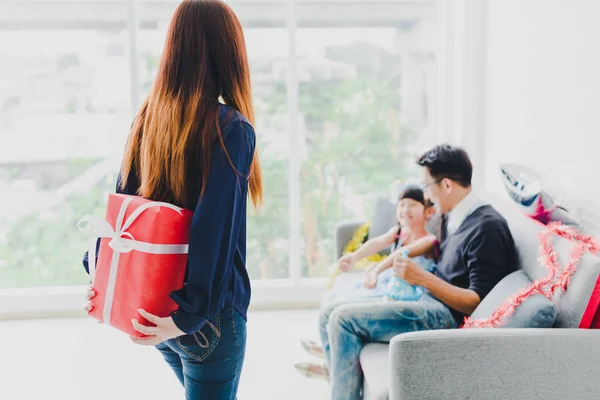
{"x":204,"y":59}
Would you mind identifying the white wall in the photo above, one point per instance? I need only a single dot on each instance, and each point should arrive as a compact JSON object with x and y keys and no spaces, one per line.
{"x":543,"y":95}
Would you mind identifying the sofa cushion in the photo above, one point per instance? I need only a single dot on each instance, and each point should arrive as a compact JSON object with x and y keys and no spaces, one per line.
{"x":535,"y":312}
{"x":375,"y":363}
{"x":577,"y":306}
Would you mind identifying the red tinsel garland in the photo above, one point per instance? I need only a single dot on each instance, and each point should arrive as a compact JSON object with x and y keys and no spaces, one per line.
{"x":548,"y":285}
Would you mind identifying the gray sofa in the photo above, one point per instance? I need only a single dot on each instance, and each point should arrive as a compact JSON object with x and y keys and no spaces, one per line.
{"x":513,"y":364}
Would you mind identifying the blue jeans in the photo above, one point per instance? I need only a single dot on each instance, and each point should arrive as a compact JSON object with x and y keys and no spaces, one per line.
{"x":345,"y":328}
{"x":353,"y":294}
{"x":209,"y":362}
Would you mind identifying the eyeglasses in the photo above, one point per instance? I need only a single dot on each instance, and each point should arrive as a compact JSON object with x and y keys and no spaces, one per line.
{"x":426,"y":186}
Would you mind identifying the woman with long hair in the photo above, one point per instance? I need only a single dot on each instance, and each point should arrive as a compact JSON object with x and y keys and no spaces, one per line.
{"x":192,"y":144}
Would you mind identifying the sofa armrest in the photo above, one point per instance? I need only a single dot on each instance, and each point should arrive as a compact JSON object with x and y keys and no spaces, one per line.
{"x":343,"y":234}
{"x":495,"y":364}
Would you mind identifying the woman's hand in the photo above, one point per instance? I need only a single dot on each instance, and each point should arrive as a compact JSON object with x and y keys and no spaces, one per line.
{"x":89,"y":295}
{"x":347,"y":262}
{"x":165,"y":329}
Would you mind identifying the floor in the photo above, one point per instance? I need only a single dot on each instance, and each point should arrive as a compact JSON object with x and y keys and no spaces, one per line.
{"x":77,"y":359}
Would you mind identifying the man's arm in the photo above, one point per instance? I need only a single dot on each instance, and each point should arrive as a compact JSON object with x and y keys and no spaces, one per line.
{"x":417,"y":248}
{"x":463,"y":300}
{"x":487,"y":259}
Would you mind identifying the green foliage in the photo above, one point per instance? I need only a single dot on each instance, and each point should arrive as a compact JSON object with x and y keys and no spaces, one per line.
{"x":354,"y":140}
{"x":47,"y":249}
{"x":67,"y":60}
{"x":353,"y":148}
{"x":269,"y":226}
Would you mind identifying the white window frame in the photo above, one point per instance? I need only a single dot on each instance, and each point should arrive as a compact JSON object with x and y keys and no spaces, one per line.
{"x":463,"y":100}
{"x":460,"y":55}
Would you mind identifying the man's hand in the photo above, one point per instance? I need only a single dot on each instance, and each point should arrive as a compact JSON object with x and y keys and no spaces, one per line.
{"x":347,"y":262}
{"x":165,"y":329}
{"x":409,"y":271}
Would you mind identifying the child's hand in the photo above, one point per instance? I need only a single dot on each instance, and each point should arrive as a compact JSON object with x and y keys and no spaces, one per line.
{"x":371,"y":278}
{"x":347,"y":262}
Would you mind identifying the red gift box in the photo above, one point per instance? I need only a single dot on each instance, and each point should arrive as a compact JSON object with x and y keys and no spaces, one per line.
{"x":141,"y":260}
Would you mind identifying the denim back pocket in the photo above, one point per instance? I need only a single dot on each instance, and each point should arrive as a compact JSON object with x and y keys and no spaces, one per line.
{"x":201,"y":344}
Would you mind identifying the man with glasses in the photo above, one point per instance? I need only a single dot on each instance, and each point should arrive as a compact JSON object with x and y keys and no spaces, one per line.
{"x":477,"y":251}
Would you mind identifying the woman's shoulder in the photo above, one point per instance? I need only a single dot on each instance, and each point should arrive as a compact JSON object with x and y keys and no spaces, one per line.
{"x":229,"y":115}
{"x":236,"y":129}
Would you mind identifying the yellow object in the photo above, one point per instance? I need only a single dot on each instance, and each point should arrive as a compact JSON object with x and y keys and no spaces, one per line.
{"x":357,"y":240}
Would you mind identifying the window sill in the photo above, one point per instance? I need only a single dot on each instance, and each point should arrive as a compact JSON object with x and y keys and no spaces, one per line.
{"x":68,"y":301}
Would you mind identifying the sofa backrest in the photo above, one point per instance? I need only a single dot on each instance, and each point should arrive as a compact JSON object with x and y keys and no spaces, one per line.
{"x":578,"y":305}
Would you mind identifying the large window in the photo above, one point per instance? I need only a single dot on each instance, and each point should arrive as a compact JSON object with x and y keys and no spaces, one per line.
{"x":344,"y":91}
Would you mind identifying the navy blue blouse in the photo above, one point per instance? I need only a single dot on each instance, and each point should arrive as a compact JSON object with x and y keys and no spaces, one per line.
{"x":216,"y":274}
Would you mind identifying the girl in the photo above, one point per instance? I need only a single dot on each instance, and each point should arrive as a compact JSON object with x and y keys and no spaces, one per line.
{"x":409,"y":238}
{"x":188,"y":148}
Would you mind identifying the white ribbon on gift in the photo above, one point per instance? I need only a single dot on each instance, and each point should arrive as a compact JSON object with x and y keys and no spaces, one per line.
{"x":123,"y":242}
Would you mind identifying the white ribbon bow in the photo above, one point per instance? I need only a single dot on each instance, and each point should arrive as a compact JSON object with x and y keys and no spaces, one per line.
{"x":122,"y":242}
